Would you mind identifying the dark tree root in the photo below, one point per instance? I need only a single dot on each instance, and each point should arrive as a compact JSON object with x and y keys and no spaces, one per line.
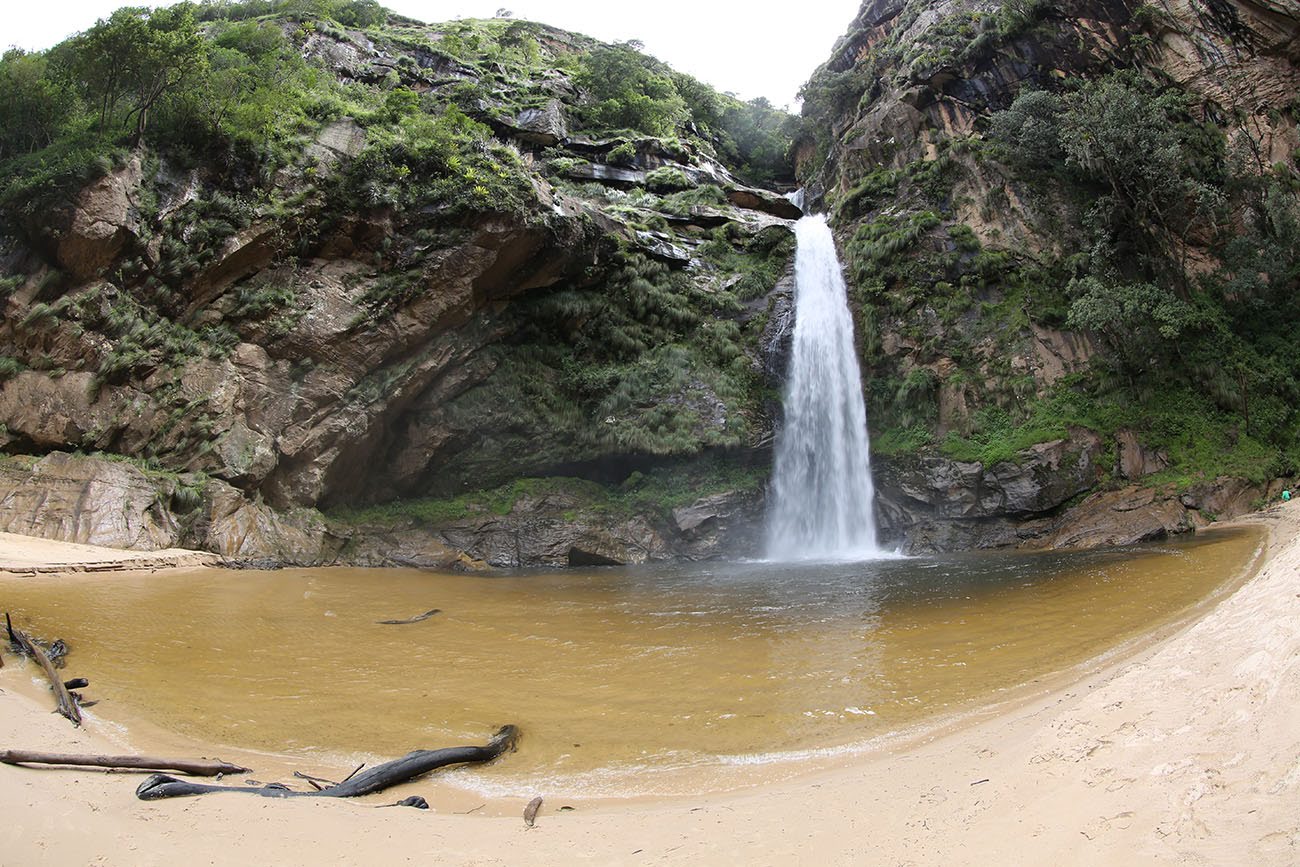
{"x":376,"y":779}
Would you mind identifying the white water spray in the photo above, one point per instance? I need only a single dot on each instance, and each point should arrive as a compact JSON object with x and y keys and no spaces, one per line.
{"x":821,"y":484}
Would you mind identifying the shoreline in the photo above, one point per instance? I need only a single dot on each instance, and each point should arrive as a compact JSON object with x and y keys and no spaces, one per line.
{"x":32,"y":555}
{"x":1180,"y":750}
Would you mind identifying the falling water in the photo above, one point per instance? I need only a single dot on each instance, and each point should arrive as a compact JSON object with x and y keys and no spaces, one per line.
{"x":821,"y":485}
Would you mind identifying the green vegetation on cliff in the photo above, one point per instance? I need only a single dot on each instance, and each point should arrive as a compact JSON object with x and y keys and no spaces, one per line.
{"x":1049,"y":226}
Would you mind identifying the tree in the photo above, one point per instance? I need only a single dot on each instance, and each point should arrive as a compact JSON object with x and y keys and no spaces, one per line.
{"x":33,"y":106}
{"x":629,"y":92}
{"x":361,"y":13}
{"x":1115,"y":132}
{"x":1030,"y":130}
{"x":137,"y":57}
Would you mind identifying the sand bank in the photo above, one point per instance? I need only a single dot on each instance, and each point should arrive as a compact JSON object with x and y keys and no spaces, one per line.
{"x":28,"y":555}
{"x":1186,"y":752}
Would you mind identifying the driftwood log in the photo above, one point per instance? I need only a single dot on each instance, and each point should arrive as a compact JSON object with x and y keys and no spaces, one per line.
{"x":368,"y":782}
{"x":66,"y":704}
{"x":194,"y":767}
{"x":416,"y":619}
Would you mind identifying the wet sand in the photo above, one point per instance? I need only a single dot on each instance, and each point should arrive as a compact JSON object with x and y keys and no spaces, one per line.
{"x":1186,"y":751}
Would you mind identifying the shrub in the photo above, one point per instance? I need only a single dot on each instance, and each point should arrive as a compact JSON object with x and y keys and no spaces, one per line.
{"x":622,"y":154}
{"x":667,"y":179}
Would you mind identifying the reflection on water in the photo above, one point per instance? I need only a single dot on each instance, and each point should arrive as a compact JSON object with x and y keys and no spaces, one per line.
{"x":609,"y":672}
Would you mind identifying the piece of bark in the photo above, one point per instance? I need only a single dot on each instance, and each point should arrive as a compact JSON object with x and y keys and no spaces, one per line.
{"x":76,"y":683}
{"x":378,"y":778}
{"x":193,"y":767}
{"x":530,"y":812}
{"x":416,"y":619}
{"x":66,"y":705}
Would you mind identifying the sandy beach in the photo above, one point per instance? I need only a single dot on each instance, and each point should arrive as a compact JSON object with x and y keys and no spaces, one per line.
{"x":1186,"y":751}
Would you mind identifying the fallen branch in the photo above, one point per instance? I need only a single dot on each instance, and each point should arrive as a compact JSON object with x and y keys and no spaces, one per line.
{"x":317,"y":782}
{"x":376,"y":779}
{"x":416,"y":619}
{"x":194,"y":767}
{"x":66,"y":704}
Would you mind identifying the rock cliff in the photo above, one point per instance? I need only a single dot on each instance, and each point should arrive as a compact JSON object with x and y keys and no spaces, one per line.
{"x":457,"y":274}
{"x":489,"y":294}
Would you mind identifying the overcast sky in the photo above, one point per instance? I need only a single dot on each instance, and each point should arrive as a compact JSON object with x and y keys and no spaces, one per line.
{"x":743,"y":46}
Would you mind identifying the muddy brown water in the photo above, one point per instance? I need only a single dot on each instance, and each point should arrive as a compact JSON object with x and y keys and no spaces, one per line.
{"x":618,"y":677}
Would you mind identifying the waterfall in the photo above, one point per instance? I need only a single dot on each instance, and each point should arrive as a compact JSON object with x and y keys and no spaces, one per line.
{"x":821,"y":484}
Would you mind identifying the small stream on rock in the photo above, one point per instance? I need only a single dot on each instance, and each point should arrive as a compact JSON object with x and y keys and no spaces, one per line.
{"x":624,"y":680}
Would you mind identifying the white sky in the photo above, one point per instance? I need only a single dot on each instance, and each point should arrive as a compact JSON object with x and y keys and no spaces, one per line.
{"x":743,"y":46}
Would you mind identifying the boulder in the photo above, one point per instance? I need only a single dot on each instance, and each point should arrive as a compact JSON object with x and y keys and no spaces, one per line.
{"x":724,"y":524}
{"x":544,"y":126}
{"x":103,"y":219}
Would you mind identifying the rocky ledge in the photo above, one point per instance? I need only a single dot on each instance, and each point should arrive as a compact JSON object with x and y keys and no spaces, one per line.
{"x":113,"y":503}
{"x":1058,"y":494}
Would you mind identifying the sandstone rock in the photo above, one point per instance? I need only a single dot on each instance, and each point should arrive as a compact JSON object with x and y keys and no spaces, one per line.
{"x":765,"y":201}
{"x":412,"y":548}
{"x":103,"y":220}
{"x":552,"y":530}
{"x":725,"y":524}
{"x":85,"y":500}
{"x":245,"y":454}
{"x":237,"y":528}
{"x":1135,"y":460}
{"x":1124,"y":517}
{"x":987,"y":507}
{"x":246,"y":252}
{"x":52,"y":412}
{"x":1059,"y":352}
{"x":544,"y":126}
{"x":606,"y":174}
{"x":661,"y":246}
{"x":338,"y":139}
{"x":1226,"y":498}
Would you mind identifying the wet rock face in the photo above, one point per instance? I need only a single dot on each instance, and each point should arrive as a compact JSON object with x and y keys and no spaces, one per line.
{"x":938,"y":504}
